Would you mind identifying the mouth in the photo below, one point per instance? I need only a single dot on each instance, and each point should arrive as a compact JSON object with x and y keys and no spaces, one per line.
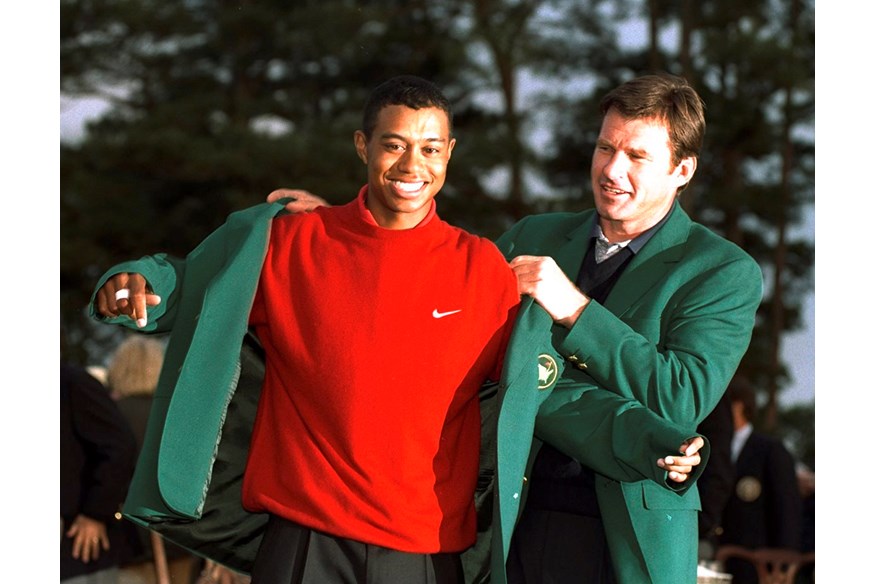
{"x":612,"y":191}
{"x":408,"y":188}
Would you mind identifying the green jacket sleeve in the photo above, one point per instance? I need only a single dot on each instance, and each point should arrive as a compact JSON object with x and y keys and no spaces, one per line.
{"x":679,"y":362}
{"x":616,"y":437}
{"x":162,"y":273}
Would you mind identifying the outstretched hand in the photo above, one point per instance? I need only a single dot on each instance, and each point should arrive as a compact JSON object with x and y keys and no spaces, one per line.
{"x":304,"y":200}
{"x":126,"y":293}
{"x":679,"y":467}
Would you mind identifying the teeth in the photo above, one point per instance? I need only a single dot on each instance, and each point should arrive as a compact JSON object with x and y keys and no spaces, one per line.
{"x":409,"y":187}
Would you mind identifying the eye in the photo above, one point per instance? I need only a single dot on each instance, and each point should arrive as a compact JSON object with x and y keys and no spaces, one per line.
{"x":429,"y":150}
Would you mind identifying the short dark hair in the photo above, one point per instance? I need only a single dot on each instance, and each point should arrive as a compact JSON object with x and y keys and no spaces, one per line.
{"x":741,"y":390}
{"x":407,"y":90}
{"x":668,"y":98}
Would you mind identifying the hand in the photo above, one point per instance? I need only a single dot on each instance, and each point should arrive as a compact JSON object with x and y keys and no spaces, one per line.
{"x":304,"y":200}
{"x":126,"y":293}
{"x":542,"y":278}
{"x":679,"y":467}
{"x":214,"y":573}
{"x":89,"y":538}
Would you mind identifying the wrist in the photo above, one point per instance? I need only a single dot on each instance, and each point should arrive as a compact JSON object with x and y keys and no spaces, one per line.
{"x":576,"y":310}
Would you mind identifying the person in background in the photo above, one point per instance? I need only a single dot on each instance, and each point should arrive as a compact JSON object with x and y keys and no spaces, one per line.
{"x":806,"y":482}
{"x":98,"y":453}
{"x":718,"y":479}
{"x":131,"y":377}
{"x":764,"y":510}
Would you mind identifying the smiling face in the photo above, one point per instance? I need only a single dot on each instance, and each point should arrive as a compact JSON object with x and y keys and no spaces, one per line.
{"x":407,"y":158}
{"x":633,"y":176}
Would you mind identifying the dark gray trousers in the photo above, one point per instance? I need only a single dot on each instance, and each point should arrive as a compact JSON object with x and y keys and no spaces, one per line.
{"x":293,"y":554}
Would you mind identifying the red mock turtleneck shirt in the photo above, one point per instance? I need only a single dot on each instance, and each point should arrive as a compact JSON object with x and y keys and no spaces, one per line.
{"x":376,"y":342}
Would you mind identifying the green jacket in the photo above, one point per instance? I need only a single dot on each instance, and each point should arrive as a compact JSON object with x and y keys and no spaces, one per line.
{"x":188,"y":478}
{"x":670,"y":336}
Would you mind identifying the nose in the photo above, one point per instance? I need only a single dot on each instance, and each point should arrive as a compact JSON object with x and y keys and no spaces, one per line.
{"x":616,"y":167}
{"x":411,"y":162}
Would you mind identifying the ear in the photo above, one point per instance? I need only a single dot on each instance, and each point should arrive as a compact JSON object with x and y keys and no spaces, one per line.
{"x":450,"y":148}
{"x":685,"y":170}
{"x":361,"y":144}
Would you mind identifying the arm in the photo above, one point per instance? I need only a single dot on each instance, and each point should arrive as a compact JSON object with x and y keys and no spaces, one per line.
{"x":110,"y":449}
{"x":678,"y":362}
{"x":679,"y":359}
{"x":619,"y":438}
{"x":148,"y":302}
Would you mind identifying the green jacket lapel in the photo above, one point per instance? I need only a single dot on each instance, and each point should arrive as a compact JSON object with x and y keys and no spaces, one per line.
{"x":570,"y":255}
{"x":647,"y":267}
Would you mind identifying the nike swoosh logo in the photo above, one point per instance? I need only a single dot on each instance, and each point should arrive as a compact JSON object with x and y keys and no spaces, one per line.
{"x":436,"y":314}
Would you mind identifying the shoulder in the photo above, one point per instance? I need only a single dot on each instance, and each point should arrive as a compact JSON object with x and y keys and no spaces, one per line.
{"x":533,"y":232}
{"x":561,"y":221}
{"x":705,"y":240}
{"x":713,"y":252}
{"x":472,"y":244}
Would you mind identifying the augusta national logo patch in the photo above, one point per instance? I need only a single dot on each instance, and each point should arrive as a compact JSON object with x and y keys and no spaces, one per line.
{"x":547,"y":371}
{"x":748,"y":489}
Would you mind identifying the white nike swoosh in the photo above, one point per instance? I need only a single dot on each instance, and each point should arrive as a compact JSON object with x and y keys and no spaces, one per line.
{"x":436,"y":314}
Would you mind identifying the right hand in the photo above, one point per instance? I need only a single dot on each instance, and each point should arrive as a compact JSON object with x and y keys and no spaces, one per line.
{"x":111,"y":304}
{"x":679,"y":467}
{"x":304,"y":200}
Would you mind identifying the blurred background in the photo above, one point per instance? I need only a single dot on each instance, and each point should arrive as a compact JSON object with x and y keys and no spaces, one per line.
{"x":176,"y":113}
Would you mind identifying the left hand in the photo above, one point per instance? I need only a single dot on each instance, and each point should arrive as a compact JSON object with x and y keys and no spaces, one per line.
{"x":89,"y":538}
{"x":214,"y":573}
{"x":304,"y":200}
{"x":542,"y":278}
{"x":679,"y":467}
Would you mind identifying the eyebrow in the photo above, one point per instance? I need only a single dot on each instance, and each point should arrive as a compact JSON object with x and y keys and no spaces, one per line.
{"x":637,"y":151}
{"x":391,"y":135}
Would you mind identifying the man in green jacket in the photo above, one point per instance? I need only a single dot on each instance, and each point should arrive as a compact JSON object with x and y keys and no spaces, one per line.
{"x":644,"y":304}
{"x":365,"y":397}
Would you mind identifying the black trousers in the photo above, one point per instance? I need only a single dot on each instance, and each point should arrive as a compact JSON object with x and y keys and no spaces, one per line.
{"x":553,"y":547}
{"x":293,"y":554}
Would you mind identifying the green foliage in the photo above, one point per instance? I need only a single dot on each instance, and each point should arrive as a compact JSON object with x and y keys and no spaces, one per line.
{"x":214,"y":104}
{"x":797,"y":429}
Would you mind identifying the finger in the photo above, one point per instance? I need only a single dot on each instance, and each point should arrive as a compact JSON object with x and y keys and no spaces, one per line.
{"x":686,"y":461}
{"x":693,"y":446}
{"x":107,"y":303}
{"x":303,"y":201}
{"x":137,"y":299}
{"x":677,"y":477}
{"x":278,"y":194}
{"x":78,"y":543}
{"x":92,"y":550}
{"x":523,"y":260}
